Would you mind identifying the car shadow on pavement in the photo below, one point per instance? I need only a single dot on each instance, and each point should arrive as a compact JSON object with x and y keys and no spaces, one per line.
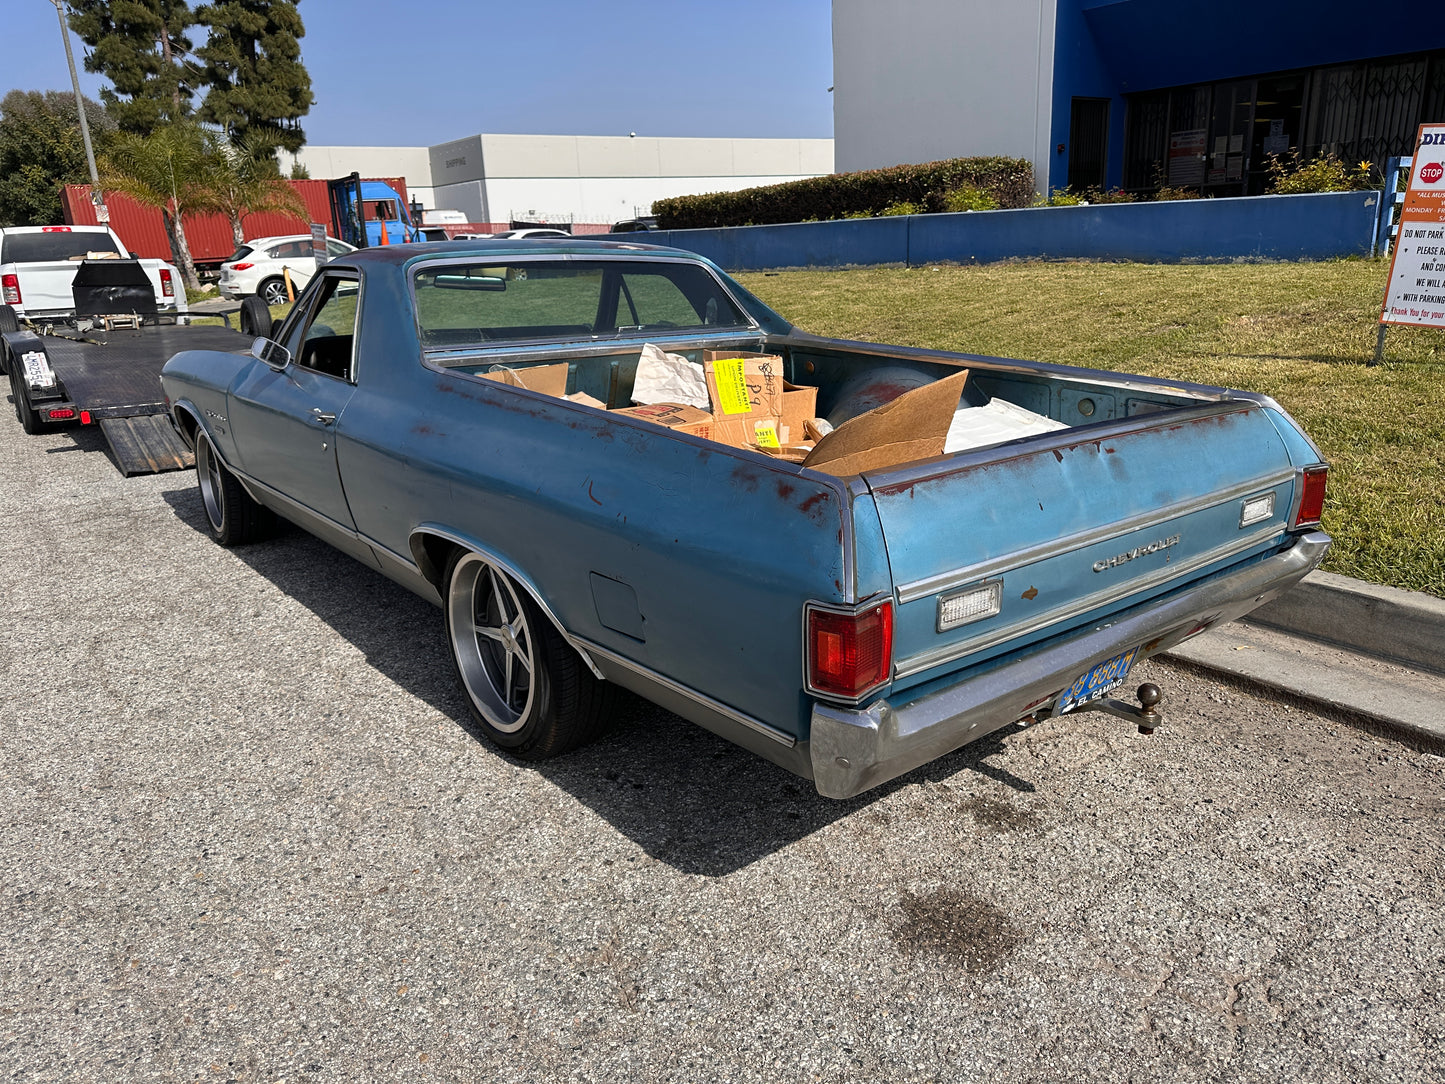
{"x":685,"y":796}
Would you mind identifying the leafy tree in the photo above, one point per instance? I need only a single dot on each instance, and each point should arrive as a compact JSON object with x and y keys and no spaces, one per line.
{"x":243,"y":178}
{"x":252,"y":66}
{"x":139,"y":45}
{"x":40,"y":150}
{"x":168,"y":170}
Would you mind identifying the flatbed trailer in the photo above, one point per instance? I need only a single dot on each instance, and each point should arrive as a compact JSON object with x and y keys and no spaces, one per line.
{"x":111,"y":378}
{"x":100,"y":368}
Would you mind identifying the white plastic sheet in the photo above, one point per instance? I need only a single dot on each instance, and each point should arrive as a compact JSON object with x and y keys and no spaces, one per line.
{"x":669,"y":378}
{"x":994,"y":423}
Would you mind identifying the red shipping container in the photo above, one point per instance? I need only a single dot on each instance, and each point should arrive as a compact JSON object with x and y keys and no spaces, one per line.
{"x":143,"y":230}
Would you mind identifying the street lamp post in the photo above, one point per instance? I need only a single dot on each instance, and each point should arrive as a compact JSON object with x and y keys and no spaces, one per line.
{"x":79,"y":103}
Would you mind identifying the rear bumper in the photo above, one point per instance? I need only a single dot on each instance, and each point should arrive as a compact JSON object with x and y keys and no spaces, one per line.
{"x":853,"y":749}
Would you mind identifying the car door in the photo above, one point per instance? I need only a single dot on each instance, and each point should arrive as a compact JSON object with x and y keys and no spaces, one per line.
{"x":286,"y":422}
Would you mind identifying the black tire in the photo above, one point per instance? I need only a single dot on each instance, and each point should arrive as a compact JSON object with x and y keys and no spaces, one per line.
{"x":28,"y":415}
{"x":272,"y":291}
{"x":8,"y":322}
{"x":527,"y":690}
{"x":255,"y":317}
{"x":233,"y":518}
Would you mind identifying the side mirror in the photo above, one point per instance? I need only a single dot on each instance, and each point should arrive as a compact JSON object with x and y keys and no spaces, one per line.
{"x":273,"y":354}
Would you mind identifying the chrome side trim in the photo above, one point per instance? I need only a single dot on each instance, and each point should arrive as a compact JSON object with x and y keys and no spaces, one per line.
{"x":305,"y":511}
{"x":982,"y":570}
{"x":953,"y":652}
{"x":706,"y":701}
{"x":452,"y":357}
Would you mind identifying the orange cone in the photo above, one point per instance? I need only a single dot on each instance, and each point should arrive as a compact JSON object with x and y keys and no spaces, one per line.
{"x":384,"y":239}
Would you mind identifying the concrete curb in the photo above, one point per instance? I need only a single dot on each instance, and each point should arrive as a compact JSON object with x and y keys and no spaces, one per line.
{"x":1406,"y":627}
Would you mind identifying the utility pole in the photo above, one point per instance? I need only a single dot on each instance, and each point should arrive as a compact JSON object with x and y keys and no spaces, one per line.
{"x":95,"y":193}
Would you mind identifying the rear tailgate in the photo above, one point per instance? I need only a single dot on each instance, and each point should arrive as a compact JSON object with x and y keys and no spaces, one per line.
{"x":45,"y":287}
{"x":1073,"y":530}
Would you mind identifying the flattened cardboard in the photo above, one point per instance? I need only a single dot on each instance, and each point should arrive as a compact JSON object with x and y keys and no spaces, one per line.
{"x":678,"y":417}
{"x":547,"y":379}
{"x":913,"y":426}
{"x":586,"y":400}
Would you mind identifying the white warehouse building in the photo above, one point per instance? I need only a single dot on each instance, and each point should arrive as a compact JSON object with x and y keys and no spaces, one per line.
{"x":582,"y":180}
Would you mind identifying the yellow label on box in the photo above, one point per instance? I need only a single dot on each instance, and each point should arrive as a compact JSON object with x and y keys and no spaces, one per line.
{"x":767,"y":435}
{"x":732,"y":388}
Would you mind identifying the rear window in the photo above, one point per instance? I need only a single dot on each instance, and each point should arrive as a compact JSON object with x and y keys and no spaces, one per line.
{"x":240,"y":253}
{"x":479,"y":301}
{"x":66,"y":245}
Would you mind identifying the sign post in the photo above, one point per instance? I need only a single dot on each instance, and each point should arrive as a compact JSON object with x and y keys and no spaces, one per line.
{"x":1415,"y":293}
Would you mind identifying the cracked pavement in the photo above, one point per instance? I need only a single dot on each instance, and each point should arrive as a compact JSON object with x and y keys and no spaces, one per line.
{"x":246,"y":837}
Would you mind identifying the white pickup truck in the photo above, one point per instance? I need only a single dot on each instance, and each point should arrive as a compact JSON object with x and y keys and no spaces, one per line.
{"x":38,"y":265}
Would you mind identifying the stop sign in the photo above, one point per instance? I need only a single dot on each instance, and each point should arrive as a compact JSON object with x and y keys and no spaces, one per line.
{"x":1431,"y":172}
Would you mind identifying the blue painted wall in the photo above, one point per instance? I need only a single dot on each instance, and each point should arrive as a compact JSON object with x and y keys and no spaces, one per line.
{"x":1310,"y":227}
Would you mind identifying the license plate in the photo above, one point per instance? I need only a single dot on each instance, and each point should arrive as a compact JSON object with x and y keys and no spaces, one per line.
{"x":1100,"y":681}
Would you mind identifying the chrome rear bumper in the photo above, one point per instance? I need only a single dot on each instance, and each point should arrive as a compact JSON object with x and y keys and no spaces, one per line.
{"x":853,"y":749}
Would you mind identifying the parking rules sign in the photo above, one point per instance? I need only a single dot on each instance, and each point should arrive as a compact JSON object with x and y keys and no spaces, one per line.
{"x":1416,"y":292}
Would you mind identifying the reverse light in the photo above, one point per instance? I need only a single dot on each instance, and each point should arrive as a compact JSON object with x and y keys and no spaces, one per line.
{"x":10,"y":288}
{"x":1311,"y":504}
{"x":1256,"y":509}
{"x":168,"y":288}
{"x":973,"y":604}
{"x":849,"y":654}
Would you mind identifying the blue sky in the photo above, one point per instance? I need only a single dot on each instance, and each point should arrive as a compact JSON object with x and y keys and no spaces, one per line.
{"x":432,"y":70}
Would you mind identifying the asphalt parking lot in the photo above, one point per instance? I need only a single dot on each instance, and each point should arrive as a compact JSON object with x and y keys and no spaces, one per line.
{"x":246,"y":837}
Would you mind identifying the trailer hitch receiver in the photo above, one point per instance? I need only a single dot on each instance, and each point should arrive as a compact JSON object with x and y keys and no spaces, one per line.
{"x":1147,"y":714}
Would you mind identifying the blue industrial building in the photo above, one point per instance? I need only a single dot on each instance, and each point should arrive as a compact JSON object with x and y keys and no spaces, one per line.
{"x":1134,"y":93}
{"x":1200,"y":95}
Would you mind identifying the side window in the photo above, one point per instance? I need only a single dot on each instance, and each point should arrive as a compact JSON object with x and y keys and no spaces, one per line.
{"x":336,"y":248}
{"x":328,"y":343}
{"x":291,"y":250}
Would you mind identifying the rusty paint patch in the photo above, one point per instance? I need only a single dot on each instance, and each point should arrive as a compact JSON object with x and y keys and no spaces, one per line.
{"x":785,"y":490}
{"x":1058,"y":455}
{"x":1031,"y":594}
{"x":589,"y":494}
{"x":815,"y":507}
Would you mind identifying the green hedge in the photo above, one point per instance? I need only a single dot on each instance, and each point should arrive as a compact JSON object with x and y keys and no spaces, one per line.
{"x":1010,"y":181}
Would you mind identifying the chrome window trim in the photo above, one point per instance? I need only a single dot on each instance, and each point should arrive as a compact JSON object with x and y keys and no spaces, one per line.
{"x":749,"y":329}
{"x":961,"y":577}
{"x":756,"y":725}
{"x":916,"y":664}
{"x":454,"y":357}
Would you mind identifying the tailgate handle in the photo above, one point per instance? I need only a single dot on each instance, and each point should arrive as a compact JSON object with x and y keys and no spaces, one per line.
{"x":325,"y":417}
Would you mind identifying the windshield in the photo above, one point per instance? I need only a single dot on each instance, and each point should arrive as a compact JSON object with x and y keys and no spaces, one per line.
{"x":476,"y":301}
{"x":58,"y":245}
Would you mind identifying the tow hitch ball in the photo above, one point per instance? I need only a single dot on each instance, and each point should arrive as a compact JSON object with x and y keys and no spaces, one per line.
{"x":1147,"y":714}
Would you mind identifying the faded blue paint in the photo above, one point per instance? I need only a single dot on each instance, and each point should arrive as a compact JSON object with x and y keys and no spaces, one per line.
{"x":1312,"y":227}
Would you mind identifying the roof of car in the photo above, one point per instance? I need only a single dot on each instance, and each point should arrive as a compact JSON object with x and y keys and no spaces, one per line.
{"x":519,"y":246}
{"x":257,"y":242}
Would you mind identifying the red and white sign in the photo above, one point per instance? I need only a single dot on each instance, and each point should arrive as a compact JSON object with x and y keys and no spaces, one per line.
{"x":1416,"y":291}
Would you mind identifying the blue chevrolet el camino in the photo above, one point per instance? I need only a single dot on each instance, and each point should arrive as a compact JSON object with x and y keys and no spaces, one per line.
{"x":849,"y":626}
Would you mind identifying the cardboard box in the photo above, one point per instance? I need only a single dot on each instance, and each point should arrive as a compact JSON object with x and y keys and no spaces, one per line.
{"x":675,"y":416}
{"x":585,"y":399}
{"x":913,"y":426}
{"x":800,"y":406}
{"x":547,"y":379}
{"x":744,"y":388}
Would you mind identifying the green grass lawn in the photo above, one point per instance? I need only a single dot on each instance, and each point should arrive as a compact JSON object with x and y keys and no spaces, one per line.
{"x":1300,"y":332}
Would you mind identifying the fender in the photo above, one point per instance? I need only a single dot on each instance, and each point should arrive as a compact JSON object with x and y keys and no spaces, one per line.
{"x":422,"y":533}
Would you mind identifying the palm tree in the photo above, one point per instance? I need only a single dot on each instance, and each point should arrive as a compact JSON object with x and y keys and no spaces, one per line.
{"x":166,"y":169}
{"x":242,"y":178}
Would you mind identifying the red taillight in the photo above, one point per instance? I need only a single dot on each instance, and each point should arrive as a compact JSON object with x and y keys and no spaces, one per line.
{"x":85,"y":418}
{"x":849,"y":654}
{"x":241,"y":266}
{"x":60,"y":414}
{"x":54,"y":229}
{"x":10,"y":286}
{"x":167,"y":286}
{"x":1312,"y":497}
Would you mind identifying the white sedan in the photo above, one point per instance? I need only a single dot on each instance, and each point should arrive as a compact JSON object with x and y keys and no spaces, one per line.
{"x":262,"y":265}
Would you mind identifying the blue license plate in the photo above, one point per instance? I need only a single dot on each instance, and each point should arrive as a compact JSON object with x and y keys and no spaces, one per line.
{"x":1100,"y":681}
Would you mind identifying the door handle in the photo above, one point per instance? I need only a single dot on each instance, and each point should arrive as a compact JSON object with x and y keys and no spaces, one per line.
{"x":325,"y":417}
